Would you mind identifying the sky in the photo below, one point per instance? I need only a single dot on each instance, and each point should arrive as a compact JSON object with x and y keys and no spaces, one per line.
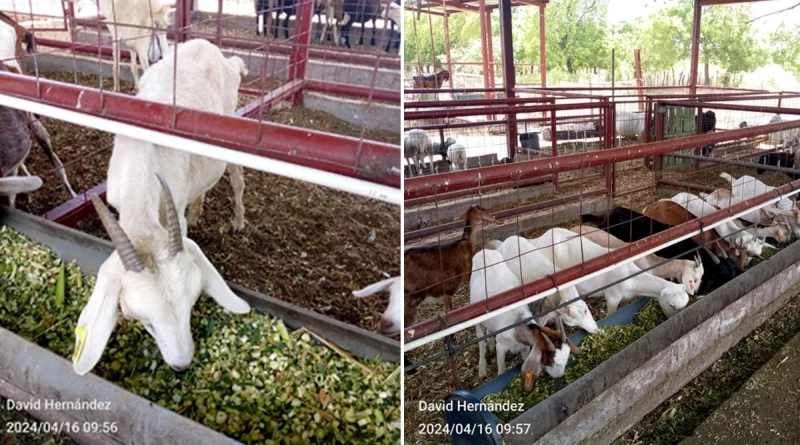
{"x":630,"y":10}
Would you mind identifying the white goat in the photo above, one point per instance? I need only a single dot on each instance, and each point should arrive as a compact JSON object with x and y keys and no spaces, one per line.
{"x":687,"y":272}
{"x":156,"y":273}
{"x":143,"y":40}
{"x":458,"y":156}
{"x":530,"y":266}
{"x":728,"y":230}
{"x":569,"y":250}
{"x":724,"y":198}
{"x":747,"y":187}
{"x":493,"y":244}
{"x":15,"y":41}
{"x":536,"y":344}
{"x":392,"y":318}
{"x":417,"y":145}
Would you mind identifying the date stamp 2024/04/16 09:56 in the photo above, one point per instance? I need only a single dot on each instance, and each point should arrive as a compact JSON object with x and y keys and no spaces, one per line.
{"x":13,"y":424}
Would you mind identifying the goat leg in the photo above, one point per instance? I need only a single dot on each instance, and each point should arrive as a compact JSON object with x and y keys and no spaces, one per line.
{"x":237,"y":182}
{"x":12,"y":198}
{"x":43,"y":138}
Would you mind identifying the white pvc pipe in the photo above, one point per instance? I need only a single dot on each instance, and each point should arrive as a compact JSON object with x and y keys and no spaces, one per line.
{"x":472,"y":322}
{"x":294,"y":171}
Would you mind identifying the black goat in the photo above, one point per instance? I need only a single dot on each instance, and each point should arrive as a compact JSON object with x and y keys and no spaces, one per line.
{"x":778,"y":160}
{"x":629,"y":226}
{"x":708,"y":125}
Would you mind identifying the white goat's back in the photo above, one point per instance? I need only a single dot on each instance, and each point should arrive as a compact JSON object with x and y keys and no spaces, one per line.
{"x":629,"y":123}
{"x":530,"y":265}
{"x":747,"y":187}
{"x":490,"y":280}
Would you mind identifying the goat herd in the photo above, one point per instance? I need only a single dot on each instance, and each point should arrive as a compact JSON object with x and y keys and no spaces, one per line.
{"x":694,"y":266}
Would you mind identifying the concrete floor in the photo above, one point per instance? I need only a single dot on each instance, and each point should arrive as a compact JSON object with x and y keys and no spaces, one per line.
{"x":766,"y":410}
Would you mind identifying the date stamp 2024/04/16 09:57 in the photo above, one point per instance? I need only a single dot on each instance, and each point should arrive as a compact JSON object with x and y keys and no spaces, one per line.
{"x":470,"y":428}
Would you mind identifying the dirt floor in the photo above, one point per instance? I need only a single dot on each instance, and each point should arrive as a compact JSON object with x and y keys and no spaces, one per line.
{"x":765,"y":408}
{"x":302,"y":243}
{"x":434,"y":381}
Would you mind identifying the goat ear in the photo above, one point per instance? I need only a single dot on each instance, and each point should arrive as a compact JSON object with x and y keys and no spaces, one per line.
{"x":99,"y":316}
{"x":380,"y":286}
{"x":213,"y":284}
{"x":531,"y":369}
{"x":573,"y":349}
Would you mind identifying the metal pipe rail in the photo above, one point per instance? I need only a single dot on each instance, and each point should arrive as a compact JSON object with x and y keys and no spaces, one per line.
{"x":449,"y":113}
{"x":364,"y":160}
{"x":736,"y":163}
{"x":452,"y":181}
{"x":462,"y":318}
{"x":476,"y":102}
{"x":732,"y":107}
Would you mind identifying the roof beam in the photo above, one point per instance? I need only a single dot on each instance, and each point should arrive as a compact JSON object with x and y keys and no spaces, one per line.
{"x":728,"y":2}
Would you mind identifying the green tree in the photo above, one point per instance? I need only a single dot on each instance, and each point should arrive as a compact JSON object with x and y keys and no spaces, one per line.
{"x":576,"y":35}
{"x":727,"y":40}
{"x":786,"y":50}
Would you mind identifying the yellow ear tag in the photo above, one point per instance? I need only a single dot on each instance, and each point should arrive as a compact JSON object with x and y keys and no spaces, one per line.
{"x":528,"y":379}
{"x":80,"y":333}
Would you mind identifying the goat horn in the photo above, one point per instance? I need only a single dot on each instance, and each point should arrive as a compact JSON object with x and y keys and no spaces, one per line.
{"x":711,"y":254}
{"x":173,"y":223}
{"x":550,"y":346}
{"x":560,"y":324}
{"x":127,"y":253}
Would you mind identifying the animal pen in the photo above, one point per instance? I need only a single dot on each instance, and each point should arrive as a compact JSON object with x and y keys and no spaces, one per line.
{"x":317,"y":127}
{"x":542,"y":158}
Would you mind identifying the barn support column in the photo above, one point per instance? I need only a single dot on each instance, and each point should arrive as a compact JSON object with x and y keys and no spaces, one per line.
{"x":484,"y":50}
{"x":490,"y":50}
{"x":447,"y":44}
{"x":698,"y":8}
{"x":542,"y":48}
{"x":509,"y":75}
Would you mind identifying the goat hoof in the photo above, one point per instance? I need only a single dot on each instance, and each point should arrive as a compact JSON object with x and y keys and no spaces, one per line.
{"x":237,"y":226}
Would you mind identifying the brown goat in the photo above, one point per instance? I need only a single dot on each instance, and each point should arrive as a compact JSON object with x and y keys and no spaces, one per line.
{"x":435,"y":271}
{"x":431,"y":80}
{"x":668,"y":212}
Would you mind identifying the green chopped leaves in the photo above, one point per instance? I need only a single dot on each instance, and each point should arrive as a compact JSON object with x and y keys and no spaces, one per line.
{"x":251,"y":379}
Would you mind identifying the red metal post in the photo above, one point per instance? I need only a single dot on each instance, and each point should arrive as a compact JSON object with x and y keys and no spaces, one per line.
{"x":298,"y":60}
{"x":183,"y":20}
{"x":637,"y":61}
{"x":698,"y":8}
{"x":698,"y":130}
{"x":509,"y":74}
{"x":490,"y":49}
{"x":219,"y":21}
{"x":484,"y":50}
{"x":542,"y":48}
{"x":447,"y":45}
{"x":658,"y":160}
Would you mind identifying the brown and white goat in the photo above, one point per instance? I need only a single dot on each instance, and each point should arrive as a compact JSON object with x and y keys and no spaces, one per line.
{"x":15,"y":41}
{"x":670,"y":213}
{"x":432,"y":272}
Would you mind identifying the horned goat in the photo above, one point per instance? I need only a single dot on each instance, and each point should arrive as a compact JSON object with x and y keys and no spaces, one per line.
{"x":687,"y":272}
{"x":531,"y":265}
{"x":724,"y":198}
{"x":728,"y":230}
{"x":157,"y":273}
{"x":566,"y":249}
{"x":539,"y":346}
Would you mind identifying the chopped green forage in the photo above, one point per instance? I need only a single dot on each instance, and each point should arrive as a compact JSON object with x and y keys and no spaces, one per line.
{"x":247,"y":380}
